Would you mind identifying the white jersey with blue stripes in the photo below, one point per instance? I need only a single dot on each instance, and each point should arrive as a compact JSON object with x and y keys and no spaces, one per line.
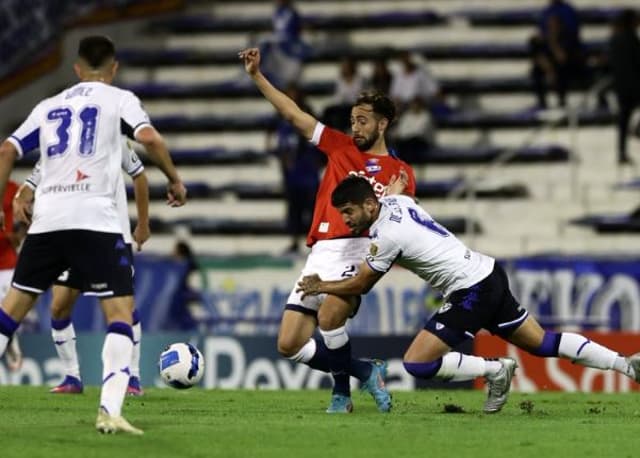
{"x":79,"y":135}
{"x":131,"y":164}
{"x":405,"y":233}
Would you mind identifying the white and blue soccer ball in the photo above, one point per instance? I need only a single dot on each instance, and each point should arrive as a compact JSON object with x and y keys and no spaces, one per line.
{"x":181,"y":365}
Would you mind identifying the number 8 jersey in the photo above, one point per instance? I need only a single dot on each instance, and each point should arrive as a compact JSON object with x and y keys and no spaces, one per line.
{"x":79,"y":134}
{"x":405,"y":233}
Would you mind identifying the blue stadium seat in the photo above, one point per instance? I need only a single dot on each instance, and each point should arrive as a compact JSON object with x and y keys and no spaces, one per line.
{"x":531,"y":16}
{"x":607,"y":224}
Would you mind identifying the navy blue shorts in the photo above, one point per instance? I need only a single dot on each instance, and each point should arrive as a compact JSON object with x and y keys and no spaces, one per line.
{"x":488,"y":305}
{"x":73,"y":279}
{"x":101,"y":258}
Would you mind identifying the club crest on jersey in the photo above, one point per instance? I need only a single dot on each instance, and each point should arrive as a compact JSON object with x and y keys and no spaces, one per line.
{"x":373,"y":249}
{"x":80,"y":176}
{"x":372,"y":166}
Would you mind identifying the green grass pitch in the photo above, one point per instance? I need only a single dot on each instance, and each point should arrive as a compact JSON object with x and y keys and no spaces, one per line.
{"x":264,"y":424}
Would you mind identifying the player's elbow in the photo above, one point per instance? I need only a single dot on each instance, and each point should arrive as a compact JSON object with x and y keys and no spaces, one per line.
{"x":149,"y":137}
{"x":8,"y":152}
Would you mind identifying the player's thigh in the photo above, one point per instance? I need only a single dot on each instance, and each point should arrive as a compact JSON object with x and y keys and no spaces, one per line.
{"x":335,"y":310}
{"x":5,"y":281}
{"x":117,"y":308}
{"x":103,"y":262}
{"x":528,"y":336}
{"x":426,"y":347}
{"x":296,"y":328}
{"x":62,"y":301}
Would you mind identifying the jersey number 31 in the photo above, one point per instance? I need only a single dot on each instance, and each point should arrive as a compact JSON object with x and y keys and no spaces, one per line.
{"x":88,"y":117}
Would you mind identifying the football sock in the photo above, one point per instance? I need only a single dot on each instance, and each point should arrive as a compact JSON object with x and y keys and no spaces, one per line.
{"x":116,"y":358}
{"x":583,"y":351}
{"x":137,"y":337}
{"x":454,"y":367}
{"x":7,"y":327}
{"x":315,"y":354}
{"x":339,"y":355}
{"x":64,"y":338}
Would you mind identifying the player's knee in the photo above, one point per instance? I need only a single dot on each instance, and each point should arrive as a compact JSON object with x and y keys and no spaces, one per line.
{"x":288,"y":347}
{"x":423,"y":370}
{"x":60,"y":311}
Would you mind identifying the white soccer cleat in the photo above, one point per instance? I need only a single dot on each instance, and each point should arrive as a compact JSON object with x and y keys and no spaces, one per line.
{"x":634,"y":362}
{"x":109,"y":424}
{"x":499,"y":385}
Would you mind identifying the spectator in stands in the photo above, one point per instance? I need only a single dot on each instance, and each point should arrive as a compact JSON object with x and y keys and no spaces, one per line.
{"x":284,"y":51}
{"x":348,"y":87}
{"x":556,"y":51}
{"x":414,"y":132}
{"x":300,"y":164}
{"x":624,"y":60}
{"x":180,"y":316}
{"x":411,"y":81}
{"x":380,"y":77}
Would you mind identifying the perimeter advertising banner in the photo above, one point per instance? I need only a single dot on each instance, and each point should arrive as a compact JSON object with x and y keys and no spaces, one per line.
{"x":554,"y":374}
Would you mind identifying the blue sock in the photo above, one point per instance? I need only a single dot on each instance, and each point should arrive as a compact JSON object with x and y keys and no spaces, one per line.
{"x":360,"y":369}
{"x":60,"y":324}
{"x":549,"y":345}
{"x":7,"y":324}
{"x":340,"y":363}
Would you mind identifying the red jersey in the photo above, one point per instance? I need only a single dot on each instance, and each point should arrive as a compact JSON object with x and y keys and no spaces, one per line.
{"x":344,"y":159}
{"x":8,"y":255}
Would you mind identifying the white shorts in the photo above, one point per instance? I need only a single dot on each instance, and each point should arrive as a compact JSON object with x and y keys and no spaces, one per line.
{"x":332,"y":260}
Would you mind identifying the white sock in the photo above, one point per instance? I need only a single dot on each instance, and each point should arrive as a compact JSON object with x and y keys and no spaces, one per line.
{"x":4,"y":341}
{"x":116,"y":357}
{"x":582,"y":351}
{"x":306,"y":352}
{"x":65,"y":343}
{"x":458,"y":367}
{"x":135,"y":358}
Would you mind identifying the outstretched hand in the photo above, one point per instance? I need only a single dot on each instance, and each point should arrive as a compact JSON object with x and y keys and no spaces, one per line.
{"x":176,"y":194}
{"x":251,"y":58}
{"x":398,"y":183}
{"x":309,"y":285}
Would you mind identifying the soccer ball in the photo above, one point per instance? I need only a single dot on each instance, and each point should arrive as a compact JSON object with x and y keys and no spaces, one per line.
{"x":181,"y":365}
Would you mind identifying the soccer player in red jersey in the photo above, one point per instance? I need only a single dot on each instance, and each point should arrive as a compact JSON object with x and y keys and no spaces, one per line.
{"x":334,"y":250}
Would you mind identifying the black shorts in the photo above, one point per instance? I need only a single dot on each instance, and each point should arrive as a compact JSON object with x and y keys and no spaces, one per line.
{"x":102,"y":259}
{"x":73,"y":279}
{"x":488,"y":305}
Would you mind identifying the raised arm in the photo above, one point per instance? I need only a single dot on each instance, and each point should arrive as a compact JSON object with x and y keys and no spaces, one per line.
{"x":157,"y":150}
{"x":142,"y":232}
{"x":288,"y":109}
{"x":312,"y":285}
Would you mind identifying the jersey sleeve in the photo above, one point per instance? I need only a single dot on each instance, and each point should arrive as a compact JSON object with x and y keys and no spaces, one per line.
{"x":383,"y":252}
{"x":329,"y":140}
{"x":33,"y":180}
{"x":26,"y":138}
{"x":131,"y":162}
{"x":132,"y":116}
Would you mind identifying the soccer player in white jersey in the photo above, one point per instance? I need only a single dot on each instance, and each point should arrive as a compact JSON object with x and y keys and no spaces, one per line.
{"x":476,"y":289}
{"x":66,"y":288}
{"x":75,"y":221}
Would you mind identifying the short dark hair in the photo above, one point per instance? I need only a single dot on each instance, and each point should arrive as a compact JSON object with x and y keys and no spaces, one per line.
{"x":353,"y":189}
{"x":381,"y":104}
{"x":96,"y":50}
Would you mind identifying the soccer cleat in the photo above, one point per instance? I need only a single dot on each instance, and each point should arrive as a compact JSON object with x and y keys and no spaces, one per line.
{"x":499,"y":385}
{"x":108,"y":424}
{"x":134,"y":388}
{"x":13,"y":354}
{"x":340,"y":404}
{"x":375,"y":386}
{"x":70,"y":385}
{"x":634,"y":362}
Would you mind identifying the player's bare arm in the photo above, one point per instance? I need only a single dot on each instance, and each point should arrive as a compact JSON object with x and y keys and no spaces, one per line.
{"x":22,"y":204}
{"x":157,"y":150}
{"x":142,"y":232}
{"x":8,"y":154}
{"x":312,"y":285}
{"x":288,"y":109}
